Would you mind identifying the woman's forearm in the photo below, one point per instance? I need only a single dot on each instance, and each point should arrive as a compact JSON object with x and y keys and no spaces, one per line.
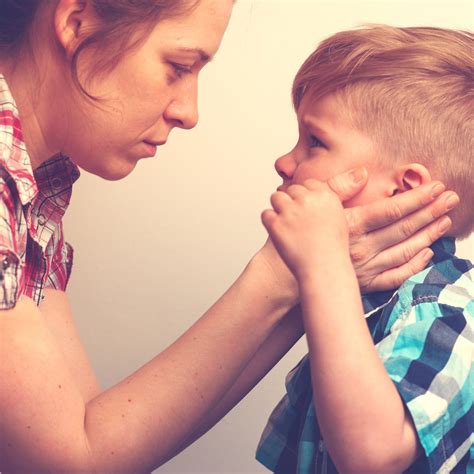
{"x":50,"y":424}
{"x":278,"y":343}
{"x":138,"y":424}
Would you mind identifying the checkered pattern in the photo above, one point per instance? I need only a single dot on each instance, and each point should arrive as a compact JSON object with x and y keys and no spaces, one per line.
{"x":424,"y":334}
{"x":33,"y":253}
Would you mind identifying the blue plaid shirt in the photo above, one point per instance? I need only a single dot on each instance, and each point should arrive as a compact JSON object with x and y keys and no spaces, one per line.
{"x":424,"y":334}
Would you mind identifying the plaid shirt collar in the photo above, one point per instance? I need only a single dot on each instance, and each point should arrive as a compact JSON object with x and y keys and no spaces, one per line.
{"x":13,"y":155}
{"x":443,"y":249}
{"x":52,"y":180}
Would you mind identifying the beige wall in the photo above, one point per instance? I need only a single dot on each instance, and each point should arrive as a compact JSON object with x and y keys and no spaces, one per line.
{"x":169,"y":240}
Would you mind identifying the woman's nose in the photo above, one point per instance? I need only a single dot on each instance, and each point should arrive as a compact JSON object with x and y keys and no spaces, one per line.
{"x":183,"y":110}
{"x":285,"y":166}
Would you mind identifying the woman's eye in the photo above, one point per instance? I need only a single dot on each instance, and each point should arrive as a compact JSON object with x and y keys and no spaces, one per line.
{"x":315,"y":142}
{"x":181,"y":69}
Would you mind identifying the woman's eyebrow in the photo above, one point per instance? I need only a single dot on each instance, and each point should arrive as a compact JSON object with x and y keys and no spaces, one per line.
{"x":204,"y":57}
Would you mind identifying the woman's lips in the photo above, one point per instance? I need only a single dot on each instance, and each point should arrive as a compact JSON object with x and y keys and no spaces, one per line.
{"x":151,"y":146}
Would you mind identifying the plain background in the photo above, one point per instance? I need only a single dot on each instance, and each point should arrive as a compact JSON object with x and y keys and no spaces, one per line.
{"x":154,"y":251}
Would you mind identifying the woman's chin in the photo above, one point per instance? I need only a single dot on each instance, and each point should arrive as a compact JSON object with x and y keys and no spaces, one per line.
{"x":111,"y":171}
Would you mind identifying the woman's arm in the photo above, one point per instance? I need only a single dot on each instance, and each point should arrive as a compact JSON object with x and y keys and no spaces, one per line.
{"x":280,"y":341}
{"x":135,"y":425}
{"x":56,"y":313}
{"x":49,"y":425}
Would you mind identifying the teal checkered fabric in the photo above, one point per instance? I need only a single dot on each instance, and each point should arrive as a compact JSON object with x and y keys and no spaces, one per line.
{"x":424,"y":334}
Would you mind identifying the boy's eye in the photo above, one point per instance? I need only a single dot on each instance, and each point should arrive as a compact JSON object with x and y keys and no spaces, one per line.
{"x":315,"y":142}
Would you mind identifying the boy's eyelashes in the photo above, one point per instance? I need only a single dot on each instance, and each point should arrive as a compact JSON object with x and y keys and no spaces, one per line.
{"x":315,"y":142}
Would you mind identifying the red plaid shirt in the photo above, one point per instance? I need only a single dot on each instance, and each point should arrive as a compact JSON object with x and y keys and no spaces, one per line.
{"x":33,"y":253}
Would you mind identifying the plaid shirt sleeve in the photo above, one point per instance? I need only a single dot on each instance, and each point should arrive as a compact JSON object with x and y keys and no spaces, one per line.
{"x":10,"y":267}
{"x":429,"y":354}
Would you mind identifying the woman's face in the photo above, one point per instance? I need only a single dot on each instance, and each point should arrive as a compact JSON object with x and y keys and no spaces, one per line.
{"x":152,"y":90}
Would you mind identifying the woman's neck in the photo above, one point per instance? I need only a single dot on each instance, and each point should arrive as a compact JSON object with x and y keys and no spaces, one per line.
{"x":29,"y":90}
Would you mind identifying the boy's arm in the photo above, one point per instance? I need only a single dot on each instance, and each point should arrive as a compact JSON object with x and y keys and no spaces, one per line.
{"x":362,"y":417}
{"x":360,"y":412}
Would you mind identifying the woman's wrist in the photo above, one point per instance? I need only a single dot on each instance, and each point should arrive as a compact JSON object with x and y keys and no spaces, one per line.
{"x":275,"y":283}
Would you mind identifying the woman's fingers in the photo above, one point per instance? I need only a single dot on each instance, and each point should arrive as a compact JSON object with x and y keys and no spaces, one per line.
{"x":395,"y":277}
{"x":389,"y":268}
{"x":408,"y":249}
{"x":347,"y":185}
{"x":408,"y":226}
{"x":364,"y":219}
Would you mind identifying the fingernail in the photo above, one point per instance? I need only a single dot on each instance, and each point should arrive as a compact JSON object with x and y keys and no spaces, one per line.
{"x":452,"y":201}
{"x":427,"y":254}
{"x":437,"y":189}
{"x":444,"y":225}
{"x":357,"y":175}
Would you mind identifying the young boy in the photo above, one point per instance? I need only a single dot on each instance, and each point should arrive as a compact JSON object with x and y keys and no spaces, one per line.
{"x":388,"y":385}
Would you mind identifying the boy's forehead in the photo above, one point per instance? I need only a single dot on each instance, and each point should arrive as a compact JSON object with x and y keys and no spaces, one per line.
{"x":326,"y":113}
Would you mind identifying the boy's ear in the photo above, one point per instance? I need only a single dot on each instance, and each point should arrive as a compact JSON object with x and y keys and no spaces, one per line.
{"x":409,"y":177}
{"x":73,"y":21}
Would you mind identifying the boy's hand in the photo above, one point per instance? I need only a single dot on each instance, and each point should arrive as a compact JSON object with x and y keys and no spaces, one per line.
{"x":308,"y":227}
{"x":389,"y":239}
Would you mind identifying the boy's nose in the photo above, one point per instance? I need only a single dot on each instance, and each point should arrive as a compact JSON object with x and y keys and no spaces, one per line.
{"x":285,"y":166}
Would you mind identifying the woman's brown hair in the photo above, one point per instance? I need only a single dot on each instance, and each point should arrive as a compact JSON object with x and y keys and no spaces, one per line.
{"x":118,"y":19}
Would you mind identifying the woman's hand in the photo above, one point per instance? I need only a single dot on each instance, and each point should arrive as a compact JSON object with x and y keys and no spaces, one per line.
{"x":389,"y":239}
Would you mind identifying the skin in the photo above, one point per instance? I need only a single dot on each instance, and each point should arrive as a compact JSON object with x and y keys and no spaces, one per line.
{"x":139,"y":423}
{"x":366,"y":428}
{"x":329,"y":145}
{"x":151,"y":91}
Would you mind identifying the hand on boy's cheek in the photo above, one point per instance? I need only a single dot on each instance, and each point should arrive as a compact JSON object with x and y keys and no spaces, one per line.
{"x":307,"y":226}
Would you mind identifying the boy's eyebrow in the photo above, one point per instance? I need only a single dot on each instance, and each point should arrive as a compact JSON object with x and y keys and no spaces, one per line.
{"x":310,"y":123}
{"x":205,"y":57}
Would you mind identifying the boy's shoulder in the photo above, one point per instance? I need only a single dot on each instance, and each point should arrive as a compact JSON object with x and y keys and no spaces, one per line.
{"x":445,"y":288}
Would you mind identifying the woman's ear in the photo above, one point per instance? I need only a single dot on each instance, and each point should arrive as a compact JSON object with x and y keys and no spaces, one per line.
{"x":409,"y":177}
{"x":73,"y":20}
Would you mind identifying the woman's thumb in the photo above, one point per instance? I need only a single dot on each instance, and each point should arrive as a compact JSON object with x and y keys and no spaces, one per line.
{"x":346,"y":185}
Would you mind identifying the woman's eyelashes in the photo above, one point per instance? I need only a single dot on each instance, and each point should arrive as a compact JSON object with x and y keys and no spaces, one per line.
{"x":181,"y":69}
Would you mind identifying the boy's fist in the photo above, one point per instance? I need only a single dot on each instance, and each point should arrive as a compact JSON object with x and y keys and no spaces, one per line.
{"x":308,"y":226}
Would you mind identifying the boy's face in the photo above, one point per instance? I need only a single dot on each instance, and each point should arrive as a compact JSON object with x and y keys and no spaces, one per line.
{"x":328,"y":145}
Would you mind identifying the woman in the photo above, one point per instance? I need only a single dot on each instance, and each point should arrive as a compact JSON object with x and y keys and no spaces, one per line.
{"x":100,"y":84}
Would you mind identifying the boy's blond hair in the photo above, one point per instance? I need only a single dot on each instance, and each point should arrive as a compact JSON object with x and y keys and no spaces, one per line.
{"x":410,"y":89}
